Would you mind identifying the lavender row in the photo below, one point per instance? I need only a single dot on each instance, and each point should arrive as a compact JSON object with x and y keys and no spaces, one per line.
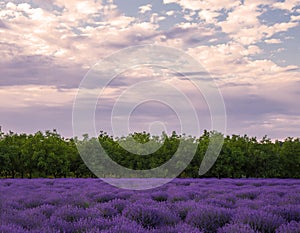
{"x":184,"y":205}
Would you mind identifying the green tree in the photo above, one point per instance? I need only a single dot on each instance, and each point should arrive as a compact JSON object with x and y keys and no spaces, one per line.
{"x":290,"y":156}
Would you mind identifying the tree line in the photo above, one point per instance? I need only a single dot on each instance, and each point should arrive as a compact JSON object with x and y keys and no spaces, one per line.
{"x":48,"y":154}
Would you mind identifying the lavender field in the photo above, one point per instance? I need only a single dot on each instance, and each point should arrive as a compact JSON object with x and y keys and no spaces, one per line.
{"x":184,"y":205}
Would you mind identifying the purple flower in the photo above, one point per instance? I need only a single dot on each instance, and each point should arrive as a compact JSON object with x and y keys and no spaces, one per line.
{"x":258,"y":220}
{"x":12,"y":228}
{"x":208,"y":218}
{"x":178,"y":228}
{"x":159,"y":196}
{"x":28,"y":219}
{"x":291,"y":227}
{"x":104,"y":197}
{"x":236,"y":228}
{"x":150,"y":216}
{"x":106,"y":210}
{"x":182,"y":208}
{"x":124,"y":225}
{"x":118,"y":204}
{"x":288,"y":212}
{"x":189,"y":205}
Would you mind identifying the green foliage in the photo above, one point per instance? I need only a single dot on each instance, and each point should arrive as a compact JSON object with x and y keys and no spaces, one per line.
{"x":50,"y":155}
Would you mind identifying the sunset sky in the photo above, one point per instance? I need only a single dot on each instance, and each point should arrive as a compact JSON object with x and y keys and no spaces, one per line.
{"x":250,"y":49}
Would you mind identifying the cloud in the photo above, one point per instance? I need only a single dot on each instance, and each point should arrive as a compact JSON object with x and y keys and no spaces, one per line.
{"x":273,"y":41}
{"x":225,"y":58}
{"x":155,"y":18}
{"x":145,"y":8}
{"x":295,"y":18}
{"x":270,"y":109}
{"x":208,"y":11}
{"x":275,"y":126}
{"x":81,"y":32}
{"x":37,"y":118}
{"x":204,"y":5}
{"x":34,"y":95}
{"x":209,"y":16}
{"x":48,"y":46}
{"x":189,"y":34}
{"x":73,"y":10}
{"x":243,"y":24}
{"x":2,"y":24}
{"x":170,"y":13}
{"x":287,"y":5}
{"x":232,"y":84}
{"x":40,"y":70}
{"x":250,"y":106}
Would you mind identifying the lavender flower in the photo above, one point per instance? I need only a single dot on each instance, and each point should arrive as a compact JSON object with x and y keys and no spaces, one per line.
{"x":189,"y":205}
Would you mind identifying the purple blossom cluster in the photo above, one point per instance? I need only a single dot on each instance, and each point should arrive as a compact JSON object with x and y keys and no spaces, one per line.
{"x":183,"y":205}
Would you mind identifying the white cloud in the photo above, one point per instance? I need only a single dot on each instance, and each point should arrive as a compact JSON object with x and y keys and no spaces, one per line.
{"x":82,"y":33}
{"x":233,"y":63}
{"x":79,"y":9}
{"x":208,"y":10}
{"x":11,"y":6}
{"x":204,"y":5}
{"x":33,"y":95}
{"x":145,"y":8}
{"x":295,"y":18}
{"x":155,"y":18}
{"x":243,"y":24}
{"x":170,"y":13}
{"x":286,"y":5}
{"x":65,"y":37}
{"x":24,"y":7}
{"x":273,"y":41}
{"x":208,"y":16}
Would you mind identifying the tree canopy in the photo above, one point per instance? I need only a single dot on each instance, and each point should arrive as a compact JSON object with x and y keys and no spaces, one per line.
{"x":48,"y":154}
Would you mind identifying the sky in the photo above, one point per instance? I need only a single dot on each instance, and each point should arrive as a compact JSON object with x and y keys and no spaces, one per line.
{"x":250,"y":49}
